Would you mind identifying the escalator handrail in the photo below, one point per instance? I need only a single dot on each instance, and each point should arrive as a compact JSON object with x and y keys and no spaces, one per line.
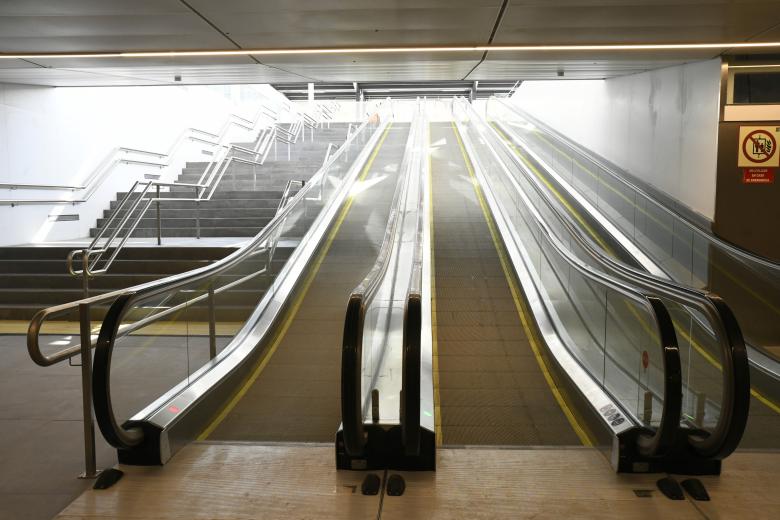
{"x":360,"y":299}
{"x":745,"y":255}
{"x":660,"y":440}
{"x":412,"y":336}
{"x":110,"y":330}
{"x":736,"y":384}
{"x":411,"y":431}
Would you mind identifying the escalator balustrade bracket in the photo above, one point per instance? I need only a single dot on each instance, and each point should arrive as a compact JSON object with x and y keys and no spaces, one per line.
{"x":395,"y":485}
{"x":371,"y":484}
{"x":670,"y":488}
{"x":681,"y":458}
{"x":696,"y":489}
{"x":108,"y":478}
{"x":384,"y":449}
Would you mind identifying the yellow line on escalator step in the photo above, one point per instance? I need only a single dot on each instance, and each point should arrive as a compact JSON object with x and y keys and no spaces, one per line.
{"x":434,"y":330}
{"x":290,"y":317}
{"x":579,"y":429}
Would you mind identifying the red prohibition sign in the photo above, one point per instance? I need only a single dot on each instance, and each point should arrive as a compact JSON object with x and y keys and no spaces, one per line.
{"x":750,"y":139}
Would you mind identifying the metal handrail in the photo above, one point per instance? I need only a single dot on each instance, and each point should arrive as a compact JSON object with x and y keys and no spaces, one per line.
{"x":105,"y":167}
{"x":208,"y":183}
{"x":735,"y":400}
{"x":745,"y":255}
{"x":88,"y":341}
{"x":654,"y":443}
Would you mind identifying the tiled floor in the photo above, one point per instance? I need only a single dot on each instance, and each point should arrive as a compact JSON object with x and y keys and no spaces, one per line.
{"x":41,"y":446}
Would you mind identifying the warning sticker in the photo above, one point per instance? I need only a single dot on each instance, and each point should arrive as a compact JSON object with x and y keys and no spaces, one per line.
{"x":758,"y":146}
{"x":758,"y":176}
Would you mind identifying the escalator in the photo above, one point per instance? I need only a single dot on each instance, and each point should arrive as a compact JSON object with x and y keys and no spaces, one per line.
{"x":170,"y":367}
{"x":494,"y":385}
{"x":623,"y":222}
{"x":602,"y":323}
{"x":474,"y":316}
{"x":293,"y":395}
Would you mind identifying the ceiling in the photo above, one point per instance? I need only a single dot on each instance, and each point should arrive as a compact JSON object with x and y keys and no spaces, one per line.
{"x":56,"y":26}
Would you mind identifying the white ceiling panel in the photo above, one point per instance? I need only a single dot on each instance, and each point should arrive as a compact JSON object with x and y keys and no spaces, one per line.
{"x":108,"y":25}
{"x":381,"y":67}
{"x":47,"y":26}
{"x":636,"y":21}
{"x":349,"y":23}
{"x":155,"y":75}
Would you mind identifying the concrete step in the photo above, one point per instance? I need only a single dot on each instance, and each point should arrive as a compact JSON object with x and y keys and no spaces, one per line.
{"x":38,"y":253}
{"x":222,"y":195}
{"x":191,"y":232}
{"x":32,"y":268}
{"x":205,"y":211}
{"x":301,"y":173}
{"x":50,"y":297}
{"x":150,"y":221}
{"x":217,"y":203}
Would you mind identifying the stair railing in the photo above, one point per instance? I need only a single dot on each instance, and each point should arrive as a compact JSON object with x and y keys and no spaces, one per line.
{"x":90,"y":257}
{"x":123,"y":155}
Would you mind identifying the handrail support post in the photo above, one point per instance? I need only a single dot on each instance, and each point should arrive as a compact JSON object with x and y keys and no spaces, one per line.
{"x":212,"y":324}
{"x":90,"y":462}
{"x":85,"y":272}
{"x":159,"y":218}
{"x":197,"y":212}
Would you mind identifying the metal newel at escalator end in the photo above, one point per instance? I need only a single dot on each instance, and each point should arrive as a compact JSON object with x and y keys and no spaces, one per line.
{"x":212,"y":325}
{"x":90,"y":462}
{"x":85,"y":272}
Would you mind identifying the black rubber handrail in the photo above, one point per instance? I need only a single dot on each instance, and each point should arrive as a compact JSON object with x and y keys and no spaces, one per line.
{"x":116,"y":435}
{"x":735,"y":403}
{"x":410,"y":398}
{"x":736,"y":379}
{"x":351,"y":383}
{"x":665,"y":436}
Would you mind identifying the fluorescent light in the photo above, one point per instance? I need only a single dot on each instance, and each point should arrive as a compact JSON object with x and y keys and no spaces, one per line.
{"x":401,"y":50}
{"x":754,"y":66}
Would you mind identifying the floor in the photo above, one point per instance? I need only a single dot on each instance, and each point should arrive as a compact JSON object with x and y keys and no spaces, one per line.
{"x":243,"y":481}
{"x":41,"y":446}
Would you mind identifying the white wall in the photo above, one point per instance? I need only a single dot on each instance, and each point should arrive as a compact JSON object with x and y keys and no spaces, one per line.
{"x":403,"y":109}
{"x":661,"y":126}
{"x":59,"y":136}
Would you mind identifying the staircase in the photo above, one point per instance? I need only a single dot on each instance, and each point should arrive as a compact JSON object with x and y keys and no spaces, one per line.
{"x":36,"y":277}
{"x":245,"y":200}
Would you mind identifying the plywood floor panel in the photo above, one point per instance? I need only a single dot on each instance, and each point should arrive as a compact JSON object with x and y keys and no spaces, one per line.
{"x":245,"y":480}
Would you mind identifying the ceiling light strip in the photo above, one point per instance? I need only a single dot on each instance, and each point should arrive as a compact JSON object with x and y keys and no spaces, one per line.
{"x":391,"y":50}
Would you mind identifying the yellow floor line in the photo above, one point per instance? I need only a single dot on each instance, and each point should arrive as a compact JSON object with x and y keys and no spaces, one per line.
{"x":290,"y":317}
{"x":434,"y":331}
{"x":579,"y":429}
